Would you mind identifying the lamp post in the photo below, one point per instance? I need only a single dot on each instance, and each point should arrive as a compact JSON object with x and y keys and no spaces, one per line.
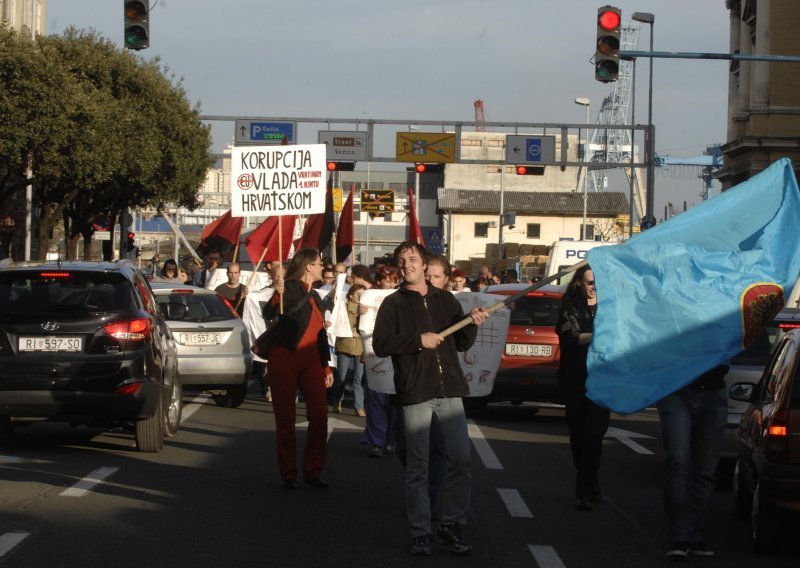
{"x":586,"y":103}
{"x":648,"y":18}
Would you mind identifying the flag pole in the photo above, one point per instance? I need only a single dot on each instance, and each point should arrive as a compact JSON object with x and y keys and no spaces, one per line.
{"x":522,"y":293}
{"x":238,"y":240}
{"x":280,"y":250}
{"x":252,"y":275}
{"x":333,"y":246}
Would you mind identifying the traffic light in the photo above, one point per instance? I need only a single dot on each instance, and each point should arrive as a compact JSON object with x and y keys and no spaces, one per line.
{"x":609,"y":31}
{"x":530,"y":170}
{"x":341,"y":166}
{"x":429,"y":168}
{"x":137,"y":24}
{"x":131,"y":242}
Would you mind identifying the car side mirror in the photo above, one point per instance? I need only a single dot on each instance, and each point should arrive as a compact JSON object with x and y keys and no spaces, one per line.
{"x":743,"y":392}
{"x":175,"y":311}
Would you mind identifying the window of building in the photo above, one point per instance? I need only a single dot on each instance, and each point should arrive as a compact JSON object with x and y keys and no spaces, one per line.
{"x":588,"y":232}
{"x":471,"y":142}
{"x":495,"y":143}
{"x":534,"y":230}
{"x":428,"y":191}
{"x":492,"y":169}
{"x":481,"y":230}
{"x":396,"y":187}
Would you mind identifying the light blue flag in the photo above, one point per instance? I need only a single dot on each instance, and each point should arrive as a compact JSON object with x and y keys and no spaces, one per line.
{"x":691,"y":293}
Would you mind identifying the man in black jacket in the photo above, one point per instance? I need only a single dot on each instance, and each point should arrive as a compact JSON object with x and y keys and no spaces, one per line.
{"x":428,"y":381}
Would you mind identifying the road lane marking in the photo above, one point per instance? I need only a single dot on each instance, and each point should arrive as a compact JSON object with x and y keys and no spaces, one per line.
{"x":334,"y":423}
{"x":514,"y":503}
{"x":488,"y":457}
{"x":86,"y":484}
{"x":546,"y":556}
{"x":10,"y":540}
{"x":625,"y":436}
{"x":194,"y":406}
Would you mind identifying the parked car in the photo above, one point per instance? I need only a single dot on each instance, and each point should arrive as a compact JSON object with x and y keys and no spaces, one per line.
{"x":767,"y":474}
{"x":530,"y":358}
{"x":85,"y":343}
{"x":213,"y":344}
{"x":748,"y":367}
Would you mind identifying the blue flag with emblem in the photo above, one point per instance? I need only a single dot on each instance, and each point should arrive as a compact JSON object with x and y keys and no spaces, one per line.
{"x":691,"y":293}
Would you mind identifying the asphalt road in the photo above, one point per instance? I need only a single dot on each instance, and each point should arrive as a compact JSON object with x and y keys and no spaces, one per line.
{"x":81,"y":497}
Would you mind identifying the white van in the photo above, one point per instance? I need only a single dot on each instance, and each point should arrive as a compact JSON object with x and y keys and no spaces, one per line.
{"x":564,"y":254}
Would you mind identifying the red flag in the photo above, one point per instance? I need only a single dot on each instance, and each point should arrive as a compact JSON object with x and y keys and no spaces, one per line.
{"x":344,"y":236}
{"x":226,"y":228}
{"x":266,"y":235}
{"x":414,"y":232}
{"x":318,"y":230}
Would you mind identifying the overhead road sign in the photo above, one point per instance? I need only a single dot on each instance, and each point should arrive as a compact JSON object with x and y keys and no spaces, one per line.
{"x":278,"y":180}
{"x":263,"y":133}
{"x":427,"y":147}
{"x":537,"y":150}
{"x":377,"y":201}
{"x":344,"y":146}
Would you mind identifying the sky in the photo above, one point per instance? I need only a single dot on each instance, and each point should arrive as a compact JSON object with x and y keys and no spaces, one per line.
{"x":429,"y":60}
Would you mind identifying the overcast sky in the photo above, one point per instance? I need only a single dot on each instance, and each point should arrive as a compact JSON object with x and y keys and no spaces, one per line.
{"x":429,"y":60}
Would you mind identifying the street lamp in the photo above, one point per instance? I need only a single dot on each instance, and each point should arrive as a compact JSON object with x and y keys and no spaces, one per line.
{"x":648,"y":18}
{"x":585,"y":102}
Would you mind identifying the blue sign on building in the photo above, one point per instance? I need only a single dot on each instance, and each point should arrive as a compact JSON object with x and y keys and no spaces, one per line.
{"x":434,"y":242}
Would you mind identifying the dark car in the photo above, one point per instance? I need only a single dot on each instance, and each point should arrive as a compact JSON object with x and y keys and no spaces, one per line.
{"x":767,"y":474}
{"x":213,"y":345}
{"x":529,"y":364}
{"x":86,"y":343}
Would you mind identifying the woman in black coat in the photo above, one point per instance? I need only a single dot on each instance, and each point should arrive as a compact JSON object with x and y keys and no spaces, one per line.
{"x":587,"y":421}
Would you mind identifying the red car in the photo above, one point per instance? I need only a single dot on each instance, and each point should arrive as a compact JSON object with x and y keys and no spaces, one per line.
{"x":530,"y":360}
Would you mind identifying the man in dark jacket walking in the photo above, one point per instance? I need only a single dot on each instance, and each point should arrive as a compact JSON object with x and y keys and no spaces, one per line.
{"x":428,"y":381}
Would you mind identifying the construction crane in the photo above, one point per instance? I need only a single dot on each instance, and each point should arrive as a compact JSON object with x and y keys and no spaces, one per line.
{"x":480,"y":116}
{"x":710,"y":161}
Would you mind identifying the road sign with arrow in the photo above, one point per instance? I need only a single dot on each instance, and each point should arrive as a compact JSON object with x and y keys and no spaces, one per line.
{"x":537,"y":150}
{"x":262,"y":132}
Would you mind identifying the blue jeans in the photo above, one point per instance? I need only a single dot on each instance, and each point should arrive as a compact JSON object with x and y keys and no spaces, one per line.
{"x":342,"y":366}
{"x":456,"y":491}
{"x":692,"y":425}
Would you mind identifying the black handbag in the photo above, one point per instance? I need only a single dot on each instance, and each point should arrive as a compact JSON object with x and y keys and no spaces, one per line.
{"x":263,"y":342}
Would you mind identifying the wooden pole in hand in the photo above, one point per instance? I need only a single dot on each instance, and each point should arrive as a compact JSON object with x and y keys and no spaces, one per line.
{"x":504,"y":302}
{"x":252,"y":276}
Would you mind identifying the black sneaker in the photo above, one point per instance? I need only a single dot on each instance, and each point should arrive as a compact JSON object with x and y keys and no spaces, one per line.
{"x":678,"y":550}
{"x":452,"y":537}
{"x":421,"y":545}
{"x":700,"y":549}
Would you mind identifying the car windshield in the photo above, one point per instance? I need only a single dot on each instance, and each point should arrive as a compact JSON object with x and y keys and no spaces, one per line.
{"x":199,"y":307}
{"x":535,"y":311}
{"x":48,"y":292}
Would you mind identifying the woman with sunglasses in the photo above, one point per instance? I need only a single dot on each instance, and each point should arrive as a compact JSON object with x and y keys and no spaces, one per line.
{"x":587,"y":422}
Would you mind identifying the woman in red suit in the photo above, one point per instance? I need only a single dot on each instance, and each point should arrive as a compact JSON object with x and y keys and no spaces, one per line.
{"x":299,"y":358}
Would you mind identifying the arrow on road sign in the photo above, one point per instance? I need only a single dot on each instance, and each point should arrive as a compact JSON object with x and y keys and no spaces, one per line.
{"x":625,"y":436}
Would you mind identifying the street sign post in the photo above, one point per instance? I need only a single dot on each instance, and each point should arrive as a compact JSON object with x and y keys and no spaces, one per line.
{"x":377,"y":201}
{"x":426,"y":147}
{"x":344,"y":146}
{"x":259,"y":132}
{"x":531,"y":149}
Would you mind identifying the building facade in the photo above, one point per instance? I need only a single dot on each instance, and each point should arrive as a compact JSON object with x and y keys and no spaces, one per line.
{"x":763,"y":97}
{"x":26,"y":16}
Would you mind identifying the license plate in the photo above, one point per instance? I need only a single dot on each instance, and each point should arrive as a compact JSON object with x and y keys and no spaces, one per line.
{"x":201,"y":338}
{"x":529,"y":350}
{"x":52,"y":343}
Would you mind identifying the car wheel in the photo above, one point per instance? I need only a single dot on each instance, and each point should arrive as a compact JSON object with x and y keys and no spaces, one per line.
{"x":172,"y":418}
{"x":741,"y":500}
{"x":475,"y":405}
{"x":766,"y":530}
{"x":234,"y":396}
{"x":150,"y":431}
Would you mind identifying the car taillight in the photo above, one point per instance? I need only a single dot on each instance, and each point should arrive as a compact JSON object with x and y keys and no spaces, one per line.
{"x":788,"y":325}
{"x":776,"y":443}
{"x":130,"y":330}
{"x":54,"y":274}
{"x":228,"y":304}
{"x":131,"y":388}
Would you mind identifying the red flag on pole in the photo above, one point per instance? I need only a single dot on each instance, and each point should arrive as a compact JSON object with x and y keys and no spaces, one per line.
{"x":414,"y":232}
{"x":266,"y":235}
{"x":226,"y":228}
{"x":318,"y":229}
{"x":344,"y":236}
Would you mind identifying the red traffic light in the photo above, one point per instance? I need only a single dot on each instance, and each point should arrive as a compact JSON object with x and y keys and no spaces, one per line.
{"x":428,"y":168}
{"x":420,"y":168}
{"x":341,"y":166}
{"x":609,"y":18}
{"x":131,"y":235}
{"x":530,"y":170}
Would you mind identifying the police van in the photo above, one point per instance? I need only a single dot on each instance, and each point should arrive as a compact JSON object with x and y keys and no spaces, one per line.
{"x":564,"y":254}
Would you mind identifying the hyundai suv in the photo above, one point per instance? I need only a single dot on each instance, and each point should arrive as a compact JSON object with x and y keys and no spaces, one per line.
{"x":86,"y":343}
